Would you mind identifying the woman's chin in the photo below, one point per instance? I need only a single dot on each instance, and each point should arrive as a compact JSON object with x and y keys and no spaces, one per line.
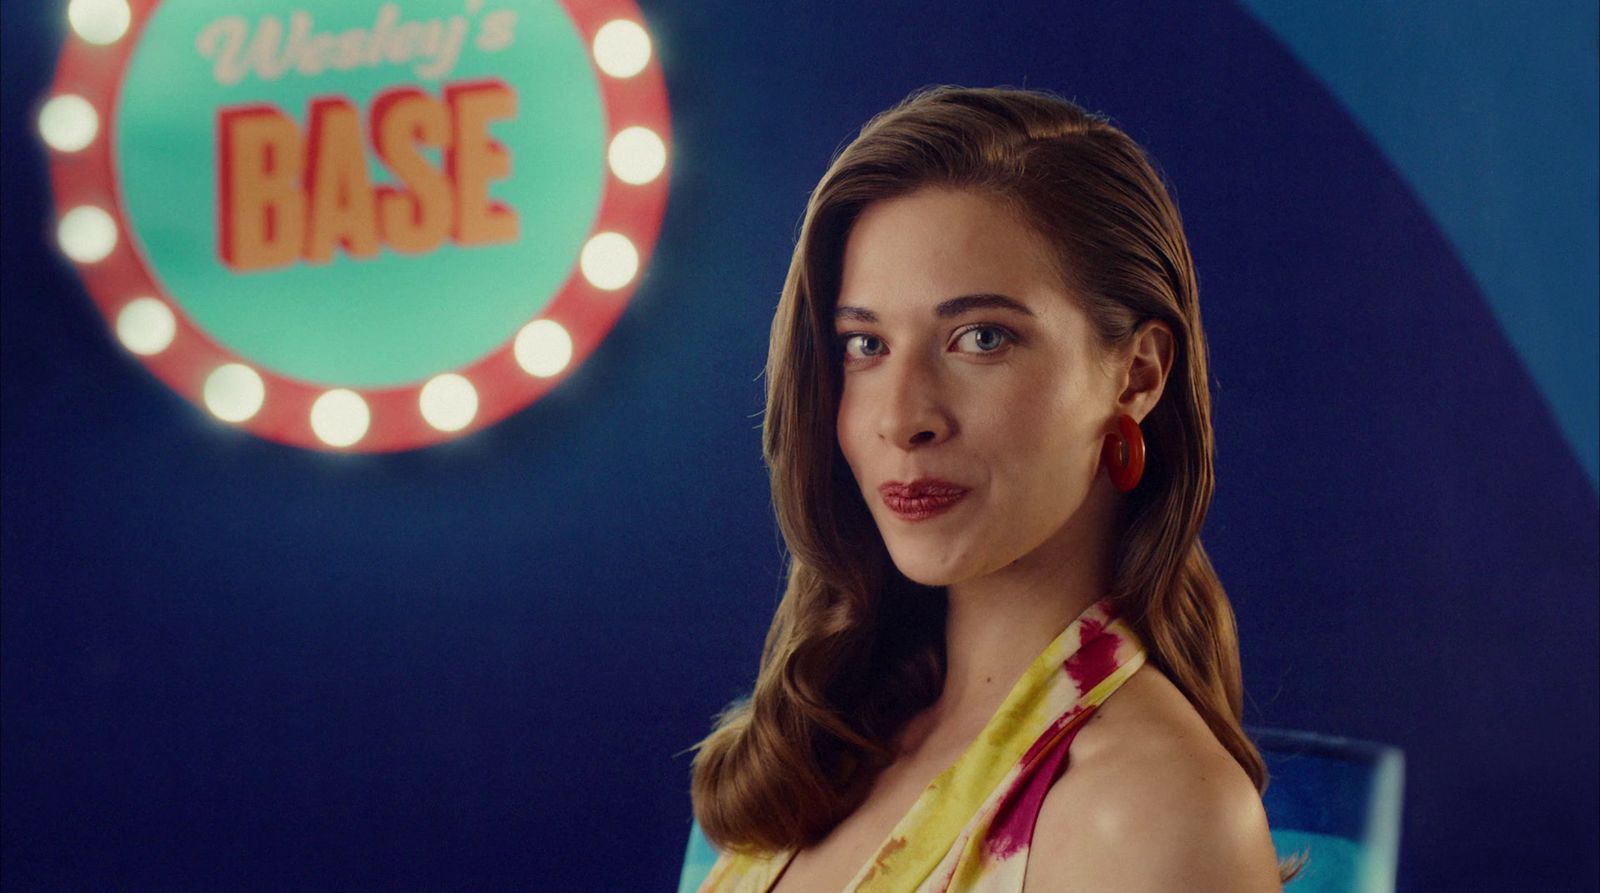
{"x":921,"y":567}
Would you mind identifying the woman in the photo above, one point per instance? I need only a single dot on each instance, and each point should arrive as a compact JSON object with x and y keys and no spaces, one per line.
{"x":989,"y":432}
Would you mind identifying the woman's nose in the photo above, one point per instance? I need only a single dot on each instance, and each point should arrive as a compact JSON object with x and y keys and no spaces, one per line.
{"x":914,"y":412}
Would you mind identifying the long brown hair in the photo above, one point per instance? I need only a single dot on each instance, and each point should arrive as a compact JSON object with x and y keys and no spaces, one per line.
{"x":855,"y":648}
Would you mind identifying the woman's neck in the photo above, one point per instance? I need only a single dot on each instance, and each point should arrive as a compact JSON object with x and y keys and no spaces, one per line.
{"x":998,"y":623}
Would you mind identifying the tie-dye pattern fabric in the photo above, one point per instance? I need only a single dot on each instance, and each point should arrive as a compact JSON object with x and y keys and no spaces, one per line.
{"x":971,"y":827}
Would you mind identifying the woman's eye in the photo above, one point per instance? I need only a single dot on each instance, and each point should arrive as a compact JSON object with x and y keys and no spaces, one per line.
{"x":987,"y":339}
{"x":870,"y":345}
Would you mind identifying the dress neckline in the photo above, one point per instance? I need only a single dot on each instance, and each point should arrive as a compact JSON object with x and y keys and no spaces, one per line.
{"x":1074,"y":674}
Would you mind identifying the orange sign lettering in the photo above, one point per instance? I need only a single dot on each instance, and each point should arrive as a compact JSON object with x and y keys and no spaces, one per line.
{"x":285,"y":198}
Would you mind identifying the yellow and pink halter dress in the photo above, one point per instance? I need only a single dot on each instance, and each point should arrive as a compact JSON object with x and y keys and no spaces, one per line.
{"x":971,"y":828}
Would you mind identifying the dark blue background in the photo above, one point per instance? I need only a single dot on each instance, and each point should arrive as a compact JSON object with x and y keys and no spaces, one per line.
{"x":231,"y":664}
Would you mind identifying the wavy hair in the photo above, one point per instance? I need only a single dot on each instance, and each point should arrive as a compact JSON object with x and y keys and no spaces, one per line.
{"x":855,"y":648}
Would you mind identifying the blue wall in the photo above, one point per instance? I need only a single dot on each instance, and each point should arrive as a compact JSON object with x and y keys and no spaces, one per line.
{"x":231,"y":664}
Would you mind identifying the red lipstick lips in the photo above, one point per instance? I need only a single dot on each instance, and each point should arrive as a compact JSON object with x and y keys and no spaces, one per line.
{"x":922,"y":498}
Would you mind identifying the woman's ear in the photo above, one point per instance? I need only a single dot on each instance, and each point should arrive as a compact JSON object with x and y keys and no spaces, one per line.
{"x":1145,"y":368}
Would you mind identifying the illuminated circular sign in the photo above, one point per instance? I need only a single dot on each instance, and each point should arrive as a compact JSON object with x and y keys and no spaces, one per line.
{"x":358,"y":225}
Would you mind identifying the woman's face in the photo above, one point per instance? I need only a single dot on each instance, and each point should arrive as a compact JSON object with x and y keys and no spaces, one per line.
{"x":966,"y":361}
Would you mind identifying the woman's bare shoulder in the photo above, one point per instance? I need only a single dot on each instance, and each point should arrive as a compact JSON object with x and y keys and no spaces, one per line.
{"x":1151,"y":801}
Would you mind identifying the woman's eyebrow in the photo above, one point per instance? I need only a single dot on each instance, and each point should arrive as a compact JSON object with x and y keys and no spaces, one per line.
{"x":946,"y":309}
{"x":985,"y":301}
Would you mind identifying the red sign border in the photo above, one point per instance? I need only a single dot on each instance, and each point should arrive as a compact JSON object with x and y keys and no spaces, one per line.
{"x":587,"y":313}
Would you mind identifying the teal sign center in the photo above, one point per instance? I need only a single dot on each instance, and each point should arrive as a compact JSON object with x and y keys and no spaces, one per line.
{"x":358,"y":225}
{"x":442,"y":162}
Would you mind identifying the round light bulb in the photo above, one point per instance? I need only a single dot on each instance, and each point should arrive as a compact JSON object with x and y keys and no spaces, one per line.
{"x":146,"y":326}
{"x":543,"y":348}
{"x":621,"y":48}
{"x":340,"y":417}
{"x":68,"y":123}
{"x":637,"y":155}
{"x":234,"y":392}
{"x":86,"y":234}
{"x":448,"y":402}
{"x":99,"y":21}
{"x":609,"y":261}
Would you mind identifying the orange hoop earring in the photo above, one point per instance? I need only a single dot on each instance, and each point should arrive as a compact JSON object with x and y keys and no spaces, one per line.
{"x":1124,"y":456}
